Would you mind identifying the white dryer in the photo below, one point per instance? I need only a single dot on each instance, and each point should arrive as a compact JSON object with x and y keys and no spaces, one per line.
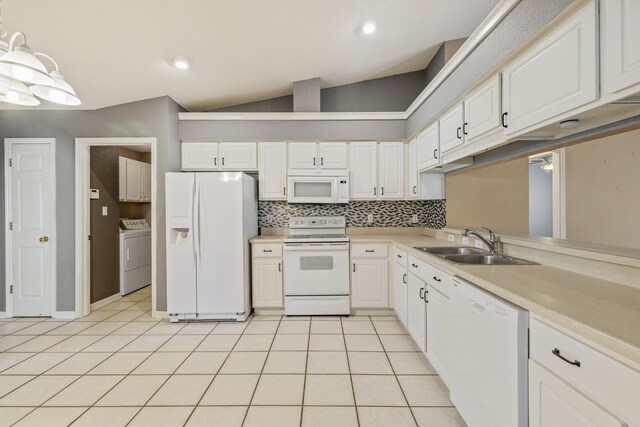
{"x":135,"y":255}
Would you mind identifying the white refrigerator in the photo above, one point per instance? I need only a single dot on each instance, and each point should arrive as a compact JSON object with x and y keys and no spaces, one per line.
{"x":210,"y":217}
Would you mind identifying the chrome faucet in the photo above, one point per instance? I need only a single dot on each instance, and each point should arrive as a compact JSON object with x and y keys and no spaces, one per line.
{"x":492,"y":243}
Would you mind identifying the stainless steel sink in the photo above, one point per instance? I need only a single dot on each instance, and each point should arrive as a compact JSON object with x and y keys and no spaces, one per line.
{"x":452,"y":250}
{"x":486,"y":259}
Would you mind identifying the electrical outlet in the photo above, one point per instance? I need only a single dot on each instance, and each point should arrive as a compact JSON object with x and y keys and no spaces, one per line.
{"x":414,"y":218}
{"x":465,"y":240}
{"x":451,"y":238}
{"x":369,"y":218}
{"x":478,"y":244}
{"x":104,"y":211}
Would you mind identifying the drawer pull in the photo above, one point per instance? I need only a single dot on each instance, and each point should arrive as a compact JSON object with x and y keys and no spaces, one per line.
{"x":267,"y":250}
{"x":556,"y":352}
{"x":399,"y":256}
{"x":436,"y":279}
{"x":414,"y":265}
{"x":369,"y":251}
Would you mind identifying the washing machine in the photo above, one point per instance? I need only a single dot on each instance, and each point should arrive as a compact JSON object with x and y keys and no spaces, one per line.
{"x":135,"y":255}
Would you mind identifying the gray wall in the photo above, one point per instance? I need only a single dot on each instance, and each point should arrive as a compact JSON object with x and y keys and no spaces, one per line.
{"x":540,"y":202}
{"x":150,"y":118}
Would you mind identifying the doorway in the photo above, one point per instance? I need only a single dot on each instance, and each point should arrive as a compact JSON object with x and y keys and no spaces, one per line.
{"x":546,"y":194}
{"x":30,"y":229}
{"x":115,"y":179}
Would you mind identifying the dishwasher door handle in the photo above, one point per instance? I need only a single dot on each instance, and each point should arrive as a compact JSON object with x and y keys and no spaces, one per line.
{"x":477,"y":306}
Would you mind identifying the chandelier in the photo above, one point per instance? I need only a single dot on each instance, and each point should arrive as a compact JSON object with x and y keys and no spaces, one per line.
{"x":24,"y":79}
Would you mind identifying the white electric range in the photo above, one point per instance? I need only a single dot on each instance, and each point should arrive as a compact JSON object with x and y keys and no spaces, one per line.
{"x":316,"y":267}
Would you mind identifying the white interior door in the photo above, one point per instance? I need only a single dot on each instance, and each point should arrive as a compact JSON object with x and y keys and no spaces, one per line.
{"x":31,"y":225}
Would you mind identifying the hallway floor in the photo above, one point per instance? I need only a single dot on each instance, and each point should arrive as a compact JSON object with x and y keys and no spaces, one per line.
{"x":119,"y":367}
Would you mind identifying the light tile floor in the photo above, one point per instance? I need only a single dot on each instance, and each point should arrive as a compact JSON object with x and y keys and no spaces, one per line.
{"x":120,"y":367}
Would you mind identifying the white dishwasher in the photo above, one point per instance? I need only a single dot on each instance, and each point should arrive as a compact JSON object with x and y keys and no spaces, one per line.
{"x":488,"y":355}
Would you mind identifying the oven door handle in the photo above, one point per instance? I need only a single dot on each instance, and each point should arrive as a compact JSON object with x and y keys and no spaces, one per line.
{"x":319,"y":247}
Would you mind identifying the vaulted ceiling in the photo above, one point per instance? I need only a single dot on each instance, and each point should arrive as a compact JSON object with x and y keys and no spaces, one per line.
{"x":118,"y":51}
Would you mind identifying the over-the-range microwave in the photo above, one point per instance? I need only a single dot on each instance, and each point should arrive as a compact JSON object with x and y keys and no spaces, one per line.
{"x":330,"y":187}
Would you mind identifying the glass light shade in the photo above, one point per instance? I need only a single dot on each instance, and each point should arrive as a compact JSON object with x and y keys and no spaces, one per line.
{"x":19,"y":94}
{"x":21,"y":64}
{"x":60,"y":92}
{"x":5,"y":81}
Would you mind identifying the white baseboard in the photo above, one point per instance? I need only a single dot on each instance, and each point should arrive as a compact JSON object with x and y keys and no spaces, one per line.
{"x":3,"y":315}
{"x":96,"y":305}
{"x":64,"y":315}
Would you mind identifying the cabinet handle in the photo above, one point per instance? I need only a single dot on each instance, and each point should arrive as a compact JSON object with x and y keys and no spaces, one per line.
{"x":279,"y":266}
{"x":421,"y":295}
{"x":415,"y":189}
{"x":435,"y":153}
{"x":425,"y":297}
{"x":399,"y":256}
{"x":458,"y":133}
{"x":267,"y":250}
{"x":556,"y":353}
{"x":374,"y":191}
{"x":314,"y":161}
{"x":504,"y":120}
{"x":382,"y":191}
{"x":321,"y":161}
{"x":223,"y":161}
{"x":436,"y":279}
{"x":464,"y":128}
{"x":369,"y":250}
{"x":414,"y":265}
{"x":284,"y":191}
{"x":215,"y":161}
{"x":354,"y":267}
{"x":404,"y":278}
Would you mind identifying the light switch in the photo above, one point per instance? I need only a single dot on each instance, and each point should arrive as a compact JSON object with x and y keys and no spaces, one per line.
{"x":104,"y":211}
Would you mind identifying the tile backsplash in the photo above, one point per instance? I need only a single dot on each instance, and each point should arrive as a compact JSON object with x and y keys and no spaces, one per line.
{"x":431,"y":213}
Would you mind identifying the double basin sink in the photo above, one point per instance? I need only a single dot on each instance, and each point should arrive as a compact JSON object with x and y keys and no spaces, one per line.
{"x":474,"y":256}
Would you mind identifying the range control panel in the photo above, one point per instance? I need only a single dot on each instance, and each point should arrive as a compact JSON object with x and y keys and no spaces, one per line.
{"x":134,"y":224}
{"x":317,"y":222}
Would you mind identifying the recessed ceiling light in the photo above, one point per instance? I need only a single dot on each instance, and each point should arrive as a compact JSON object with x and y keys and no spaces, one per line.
{"x":567,"y":124}
{"x":369,"y":27}
{"x":181,"y":62}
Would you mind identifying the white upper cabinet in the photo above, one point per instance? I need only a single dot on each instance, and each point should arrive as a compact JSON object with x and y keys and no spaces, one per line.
{"x":622,"y":42}
{"x":363,"y":170}
{"x":238,"y":155}
{"x":391,"y":170}
{"x":122,"y":178}
{"x":199,"y":156}
{"x":451,"y":122}
{"x":555,"y":76}
{"x":303,"y":155}
{"x":272,"y":170}
{"x":146,"y":182}
{"x":428,"y":147}
{"x":333,"y":155}
{"x":412,"y":163}
{"x":482,"y":110}
{"x":134,"y":180}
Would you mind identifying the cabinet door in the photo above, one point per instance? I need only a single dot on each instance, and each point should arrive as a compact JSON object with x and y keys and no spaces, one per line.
{"x":556,"y":76}
{"x":272,"y":170}
{"x":622,"y":36}
{"x":238,"y":156}
{"x":428,"y":147}
{"x":199,"y":156}
{"x":122,"y":178}
{"x":145,"y":175}
{"x":369,"y":283}
{"x":391,"y":170}
{"x":412,"y":182}
{"x":482,"y":110}
{"x":451,"y":135}
{"x":134,"y":181}
{"x":417,"y":311}
{"x":302,"y":155}
{"x":552,"y":402}
{"x":438,"y":330}
{"x":333,"y":155}
{"x":363,"y":170}
{"x":400,"y":283}
{"x":267,"y":282}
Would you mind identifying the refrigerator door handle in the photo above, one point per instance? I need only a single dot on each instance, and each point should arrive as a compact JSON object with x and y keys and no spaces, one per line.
{"x":196,"y":222}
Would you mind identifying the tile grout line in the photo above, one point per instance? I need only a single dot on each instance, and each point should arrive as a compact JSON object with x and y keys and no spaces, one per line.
{"x":353,"y":389}
{"x":306,"y":369}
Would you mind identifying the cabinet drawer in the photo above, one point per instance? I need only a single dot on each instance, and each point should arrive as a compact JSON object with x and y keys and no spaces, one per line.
{"x":267,"y":250}
{"x":421,"y":269}
{"x":369,"y":251}
{"x":606,"y":381}
{"x":400,"y":256}
{"x":440,"y":281}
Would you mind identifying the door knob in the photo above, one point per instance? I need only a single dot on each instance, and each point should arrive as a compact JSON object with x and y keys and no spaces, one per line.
{"x":44,"y":239}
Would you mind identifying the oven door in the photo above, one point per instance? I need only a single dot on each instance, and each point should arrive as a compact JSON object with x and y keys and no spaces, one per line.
{"x":316,"y":269}
{"x":313,"y":189}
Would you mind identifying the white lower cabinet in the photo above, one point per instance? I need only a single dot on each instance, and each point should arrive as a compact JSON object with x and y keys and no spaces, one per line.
{"x":400,"y":291}
{"x":438,"y":330}
{"x":417,"y":311}
{"x":552,"y":402}
{"x":369,"y":283}
{"x":266,"y":280}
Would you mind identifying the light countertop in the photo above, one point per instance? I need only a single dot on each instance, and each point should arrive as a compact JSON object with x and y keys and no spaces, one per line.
{"x":604,"y":312}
